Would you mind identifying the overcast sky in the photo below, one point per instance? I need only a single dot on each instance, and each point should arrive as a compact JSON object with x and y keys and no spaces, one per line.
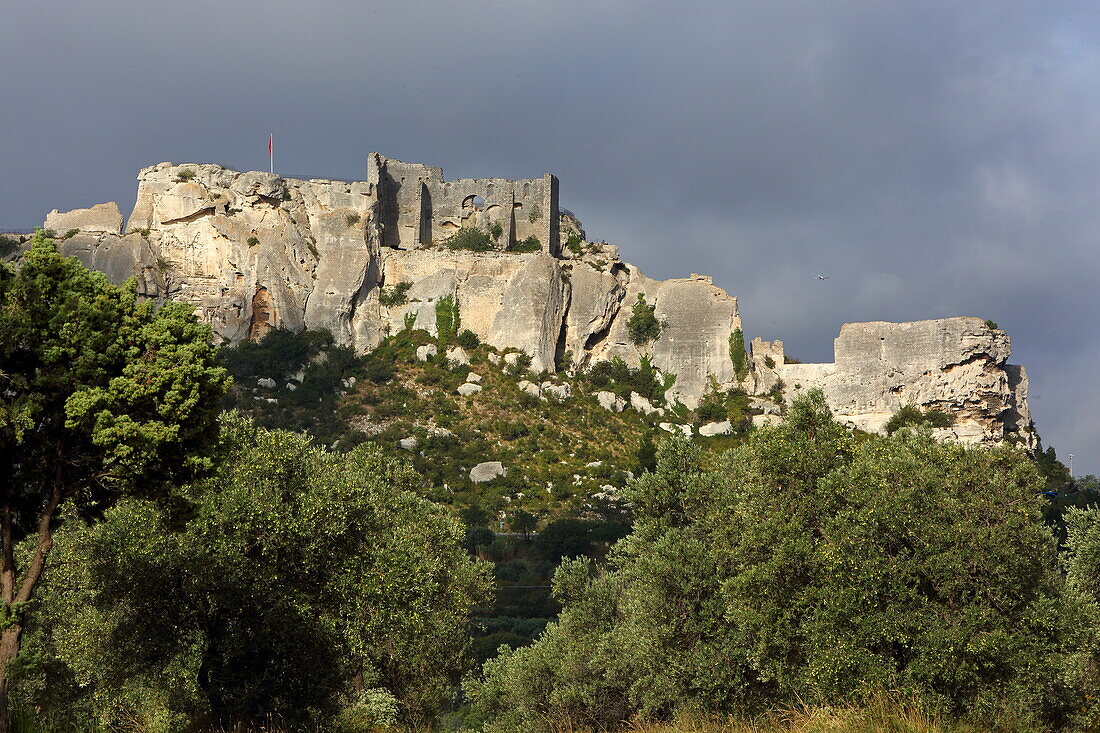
{"x":933,"y":158}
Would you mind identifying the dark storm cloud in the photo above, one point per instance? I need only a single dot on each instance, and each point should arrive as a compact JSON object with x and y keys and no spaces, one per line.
{"x":934,"y":158}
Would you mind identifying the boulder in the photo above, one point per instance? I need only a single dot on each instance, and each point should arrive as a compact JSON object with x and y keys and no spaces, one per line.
{"x":468,"y":389}
{"x":473,"y":378}
{"x":759,"y":421}
{"x":530,"y":388}
{"x":408,"y":443}
{"x":267,"y":382}
{"x":766,"y":406}
{"x":557,"y":391}
{"x":493,"y":358}
{"x":291,"y":386}
{"x":426,"y":351}
{"x":610,"y":401}
{"x":487,"y":471}
{"x":669,"y":427}
{"x":457,"y":355}
{"x":715,"y":428}
{"x":512,"y":358}
{"x":644,"y":406}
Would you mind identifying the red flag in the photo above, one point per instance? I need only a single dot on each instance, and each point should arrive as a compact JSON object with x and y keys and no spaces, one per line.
{"x":270,"y":143}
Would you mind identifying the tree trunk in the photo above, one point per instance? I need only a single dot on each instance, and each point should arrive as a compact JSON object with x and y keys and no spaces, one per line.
{"x":9,"y":650}
{"x":13,"y":634}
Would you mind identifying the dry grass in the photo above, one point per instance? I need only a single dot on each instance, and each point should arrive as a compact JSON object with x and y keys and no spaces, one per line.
{"x":883,"y":714}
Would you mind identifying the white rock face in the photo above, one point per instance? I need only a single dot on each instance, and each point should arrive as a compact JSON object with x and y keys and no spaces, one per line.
{"x":669,"y":427}
{"x":408,"y":443}
{"x":487,"y":471}
{"x":530,"y":388}
{"x":426,"y":351}
{"x":715,"y":428}
{"x":468,"y":389}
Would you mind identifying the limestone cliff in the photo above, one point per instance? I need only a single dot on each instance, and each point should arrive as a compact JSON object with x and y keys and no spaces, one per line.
{"x":252,"y":251}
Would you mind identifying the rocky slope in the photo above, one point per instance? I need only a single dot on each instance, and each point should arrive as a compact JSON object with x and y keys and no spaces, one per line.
{"x":252,"y":251}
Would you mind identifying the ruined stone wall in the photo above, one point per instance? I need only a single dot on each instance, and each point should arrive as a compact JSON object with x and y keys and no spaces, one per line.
{"x":418,"y":207}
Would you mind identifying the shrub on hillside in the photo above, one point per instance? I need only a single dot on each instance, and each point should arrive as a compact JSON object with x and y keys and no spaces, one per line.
{"x":469,"y":238}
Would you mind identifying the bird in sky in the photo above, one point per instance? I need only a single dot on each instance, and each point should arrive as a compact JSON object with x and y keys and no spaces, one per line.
{"x":823,"y":277}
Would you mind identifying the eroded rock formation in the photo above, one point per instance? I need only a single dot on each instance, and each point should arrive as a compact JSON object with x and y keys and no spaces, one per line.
{"x":253,"y":251}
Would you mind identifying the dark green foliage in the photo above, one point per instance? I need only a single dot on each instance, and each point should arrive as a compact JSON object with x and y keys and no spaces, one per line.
{"x":253,"y":241}
{"x":564,"y":538}
{"x":806,"y":568}
{"x":647,"y":453}
{"x":102,"y":396}
{"x":573,"y":243}
{"x":531,"y":244}
{"x":351,"y":219}
{"x":279,"y":354}
{"x":185,"y":175}
{"x":1053,"y":470}
{"x":70,"y":234}
{"x":911,"y":416}
{"x":274,"y":590}
{"x":738,"y":355}
{"x":471,"y":239}
{"x":468,"y":340}
{"x":643,"y":325}
{"x":394,"y":295}
{"x":621,"y":379}
{"x":991,"y":324}
{"x":7,"y":246}
{"x":769,"y":362}
{"x":447,"y":320}
{"x":520,"y":366}
{"x":496,"y":230}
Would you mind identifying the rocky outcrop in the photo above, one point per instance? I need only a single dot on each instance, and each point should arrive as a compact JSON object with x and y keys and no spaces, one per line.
{"x":954,"y":365}
{"x":101,"y":218}
{"x":252,"y":251}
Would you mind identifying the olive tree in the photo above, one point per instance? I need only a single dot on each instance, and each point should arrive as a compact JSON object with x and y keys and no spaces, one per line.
{"x":101,"y":395}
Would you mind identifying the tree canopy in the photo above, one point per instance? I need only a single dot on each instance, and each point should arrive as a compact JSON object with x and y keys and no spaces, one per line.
{"x":808,"y":567}
{"x":296,"y":583}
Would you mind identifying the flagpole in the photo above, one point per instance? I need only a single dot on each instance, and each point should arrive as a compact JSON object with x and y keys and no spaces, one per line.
{"x":271,"y":152}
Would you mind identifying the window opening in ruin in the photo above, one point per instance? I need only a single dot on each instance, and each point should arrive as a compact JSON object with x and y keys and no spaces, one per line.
{"x":475,"y":202}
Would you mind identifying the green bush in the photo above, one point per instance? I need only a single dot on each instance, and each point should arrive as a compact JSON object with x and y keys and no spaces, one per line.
{"x":253,"y":241}
{"x":395,"y":295}
{"x":185,"y":175}
{"x":280,"y":353}
{"x":616,"y":376}
{"x":447,"y":320}
{"x":738,"y":355}
{"x":911,"y":416}
{"x":471,"y":239}
{"x":468,"y":340}
{"x":643,"y":325}
{"x":574,"y":243}
{"x":531,"y":244}
{"x":351,"y":219}
{"x":991,"y":324}
{"x":496,"y":231}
